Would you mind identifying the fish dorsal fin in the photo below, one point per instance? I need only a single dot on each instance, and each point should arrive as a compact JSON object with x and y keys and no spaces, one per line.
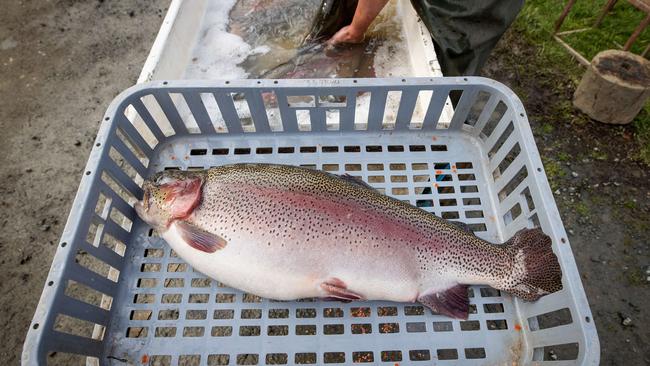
{"x":463,"y":226}
{"x":452,"y":302}
{"x":358,"y":181}
{"x":200,"y":239}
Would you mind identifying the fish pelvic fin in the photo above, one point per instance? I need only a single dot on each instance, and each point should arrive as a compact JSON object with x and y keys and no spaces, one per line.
{"x":536,"y":270}
{"x":452,"y":302}
{"x":200,"y":239}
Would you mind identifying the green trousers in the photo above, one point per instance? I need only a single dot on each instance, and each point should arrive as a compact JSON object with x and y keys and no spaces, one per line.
{"x":464,"y":32}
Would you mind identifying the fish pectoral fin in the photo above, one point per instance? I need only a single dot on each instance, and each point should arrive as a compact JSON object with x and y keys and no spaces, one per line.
{"x":453,"y":302}
{"x":200,"y":239}
{"x":335,"y":288}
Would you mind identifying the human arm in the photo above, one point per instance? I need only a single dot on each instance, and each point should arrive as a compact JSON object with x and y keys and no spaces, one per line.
{"x":366,"y":12}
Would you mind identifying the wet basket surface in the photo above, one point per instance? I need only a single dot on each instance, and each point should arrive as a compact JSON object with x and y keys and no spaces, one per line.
{"x":117,"y":294}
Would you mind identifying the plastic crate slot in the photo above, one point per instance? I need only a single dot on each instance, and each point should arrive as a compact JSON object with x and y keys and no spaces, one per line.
{"x":196,"y":314}
{"x":450,"y":215}
{"x":388,"y":356}
{"x":225,"y":298}
{"x":395,"y":148}
{"x":220,"y":151}
{"x":200,"y":282}
{"x":333,"y":313}
{"x":477,"y":107}
{"x":361,"y":328}
{"x":516,"y":180}
{"x":171,"y":168}
{"x":96,"y":265}
{"x":221,"y":331}
{"x":171,"y":298}
{"x":103,"y":206}
{"x":142,"y":128}
{"x":398,"y":179}
{"x":168,"y":314}
{"x":75,"y":326}
{"x":218,"y":360}
{"x":446,"y":190}
{"x":558,"y":352}
{"x":152,"y":106}
{"x":534,"y":221}
{"x":81,"y":292}
{"x":498,"y":324}
{"x":334,"y":357}
{"x":416,"y":327}
{"x":243,"y":112}
{"x":186,"y":114}
{"x":493,"y":308}
{"x":242,"y":151}
{"x":264,"y":150}
{"x":375,"y":167}
{"x":270,"y":101}
{"x":194,"y":331}
{"x":447,"y":354}
{"x":506,"y":161}
{"x":362,"y":110}
{"x":303,"y":116}
{"x":176,"y":267}
{"x":303,"y":329}
{"x":224,"y":314}
{"x":444,"y":326}
{"x":332,"y":119}
{"x":353,"y":167}
{"x":247,"y":359}
{"x":301,"y":101}
{"x":251,"y":314}
{"x":495,"y":117}
{"x":305,"y":313}
{"x":143,"y":298}
{"x":250,"y":298}
{"x":146,"y":283}
{"x":214,"y":113}
{"x":333,"y":329}
{"x":189,"y":360}
{"x":505,"y":135}
{"x":198,"y":298}
{"x":419,"y":355}
{"x":95,"y":230}
{"x":140,"y":315}
{"x":388,"y":327}
{"x":150,"y":267}
{"x":397,"y":166}
{"x":174,"y":282}
{"x":276,"y":359}
{"x":331,"y":167}
{"x":249,"y":330}
{"x":308,"y":149}
{"x":363,"y":357}
{"x":376,"y":179}
{"x":113,"y":244}
{"x":470,"y":325}
{"x":303,"y":358}
{"x":160,"y":360}
{"x":360,"y":312}
{"x":424,"y":203}
{"x":137,"y":332}
{"x":438,"y":148}
{"x":474,"y":214}
{"x":551,"y":319}
{"x":471,"y":201}
{"x":332,"y":100}
{"x":472,"y":309}
{"x":468,"y":189}
{"x":422,"y":102}
{"x":512,"y":214}
{"x":374,"y":148}
{"x":277,"y":330}
{"x":278,"y":313}
{"x":330,"y":149}
{"x":399,"y":191}
{"x":474,"y":353}
{"x":413,"y":310}
{"x":127,"y":194}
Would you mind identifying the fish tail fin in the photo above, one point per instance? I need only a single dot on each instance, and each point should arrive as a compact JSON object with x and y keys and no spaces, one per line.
{"x":536,"y":270}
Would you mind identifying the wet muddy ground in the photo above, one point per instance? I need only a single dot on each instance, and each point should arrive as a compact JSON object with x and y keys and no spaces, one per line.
{"x":61,"y":62}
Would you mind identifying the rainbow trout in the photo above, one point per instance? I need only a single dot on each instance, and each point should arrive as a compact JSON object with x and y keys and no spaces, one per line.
{"x":285,"y":233}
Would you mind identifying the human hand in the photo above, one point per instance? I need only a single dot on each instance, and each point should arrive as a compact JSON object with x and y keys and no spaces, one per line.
{"x":347,"y":34}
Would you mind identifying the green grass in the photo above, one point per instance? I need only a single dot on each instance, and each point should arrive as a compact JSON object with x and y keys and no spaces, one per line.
{"x":582,"y":209}
{"x":536,"y":22}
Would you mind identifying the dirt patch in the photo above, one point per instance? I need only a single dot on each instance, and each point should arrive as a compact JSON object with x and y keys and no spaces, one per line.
{"x":61,"y":63}
{"x":602,"y":192}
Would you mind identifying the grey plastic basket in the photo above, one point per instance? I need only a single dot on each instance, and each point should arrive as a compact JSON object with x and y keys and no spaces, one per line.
{"x":118,"y":295}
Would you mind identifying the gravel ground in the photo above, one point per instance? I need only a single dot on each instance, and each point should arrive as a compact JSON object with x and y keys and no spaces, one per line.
{"x":61,"y":62}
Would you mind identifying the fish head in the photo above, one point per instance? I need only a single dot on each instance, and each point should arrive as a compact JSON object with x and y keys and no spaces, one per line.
{"x":170,"y":195}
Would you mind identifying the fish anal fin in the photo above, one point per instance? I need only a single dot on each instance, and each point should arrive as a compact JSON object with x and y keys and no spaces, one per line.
{"x":200,"y":239}
{"x":335,"y":288}
{"x":452,"y":302}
